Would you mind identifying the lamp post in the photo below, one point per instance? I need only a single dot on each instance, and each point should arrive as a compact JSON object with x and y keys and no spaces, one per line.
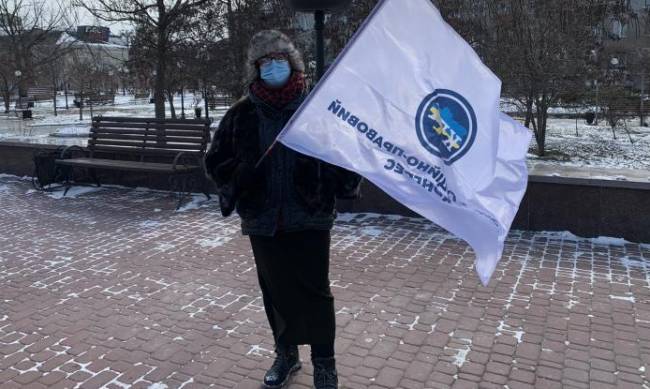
{"x":125,"y":75}
{"x":318,"y":7}
{"x":111,"y":84}
{"x":152,"y":99}
{"x":597,"y":101}
{"x":18,"y":74}
{"x":180,"y":68}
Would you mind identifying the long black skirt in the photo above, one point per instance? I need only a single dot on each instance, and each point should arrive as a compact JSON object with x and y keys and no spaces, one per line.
{"x":293,"y":272}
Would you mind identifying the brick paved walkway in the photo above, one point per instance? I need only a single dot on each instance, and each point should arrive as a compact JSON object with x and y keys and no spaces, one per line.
{"x":113,"y":288}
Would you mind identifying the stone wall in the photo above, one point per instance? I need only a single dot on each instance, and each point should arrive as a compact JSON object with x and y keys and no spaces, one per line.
{"x":585,"y":207}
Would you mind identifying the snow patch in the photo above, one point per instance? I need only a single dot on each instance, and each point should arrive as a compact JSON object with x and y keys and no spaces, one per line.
{"x":345,"y":217}
{"x":198,"y":201}
{"x":624,"y":298}
{"x":150,"y":224}
{"x":461,"y":355}
{"x":568,"y":236}
{"x":58,"y":260}
{"x":632,"y":263}
{"x":157,"y":385}
{"x":15,"y":177}
{"x":372,"y":231}
{"x":214,"y":242}
{"x":506,"y":329}
{"x":74,"y":192}
{"x":258,"y":350}
{"x":165,"y":246}
{"x":361,"y":217}
{"x":72,"y":131}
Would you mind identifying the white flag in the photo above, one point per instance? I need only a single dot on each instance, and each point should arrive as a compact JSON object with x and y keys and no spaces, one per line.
{"x":411,"y":107}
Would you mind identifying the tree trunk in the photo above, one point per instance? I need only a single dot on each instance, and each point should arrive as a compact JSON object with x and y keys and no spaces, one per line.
{"x":81,"y":105}
{"x":540,"y":138}
{"x":205,"y":102}
{"x":170,"y":97}
{"x":159,"y":90}
{"x":54,"y":87}
{"x":159,"y":85}
{"x":7,"y":97}
{"x":233,"y":49}
{"x":627,"y":130}
{"x":529,"y":112}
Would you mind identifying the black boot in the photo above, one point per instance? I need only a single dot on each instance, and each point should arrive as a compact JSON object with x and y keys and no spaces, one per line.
{"x":287,"y":362}
{"x":325,"y":376}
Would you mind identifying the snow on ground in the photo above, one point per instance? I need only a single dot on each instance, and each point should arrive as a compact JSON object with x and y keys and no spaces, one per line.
{"x":570,"y":142}
{"x":195,"y":202}
{"x":73,"y":192}
{"x":567,"y":236}
{"x":72,"y":131}
{"x":595,"y":146}
{"x":45,"y":123}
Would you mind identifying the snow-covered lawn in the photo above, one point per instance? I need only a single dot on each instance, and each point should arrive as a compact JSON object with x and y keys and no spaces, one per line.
{"x":595,"y":146}
{"x":566,"y":145}
{"x":67,"y":128}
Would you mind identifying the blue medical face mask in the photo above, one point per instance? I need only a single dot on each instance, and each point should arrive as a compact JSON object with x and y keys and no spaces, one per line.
{"x":275,"y":72}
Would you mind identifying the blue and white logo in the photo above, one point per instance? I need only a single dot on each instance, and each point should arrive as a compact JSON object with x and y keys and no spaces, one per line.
{"x":446,"y":125}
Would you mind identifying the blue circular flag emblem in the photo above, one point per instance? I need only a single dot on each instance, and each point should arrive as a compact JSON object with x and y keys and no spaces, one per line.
{"x":446,"y":125}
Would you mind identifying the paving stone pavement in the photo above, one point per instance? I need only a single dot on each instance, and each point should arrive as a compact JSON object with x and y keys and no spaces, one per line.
{"x":112,"y":288}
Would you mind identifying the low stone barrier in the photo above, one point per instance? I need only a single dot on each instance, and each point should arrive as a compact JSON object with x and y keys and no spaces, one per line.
{"x":586,"y":207}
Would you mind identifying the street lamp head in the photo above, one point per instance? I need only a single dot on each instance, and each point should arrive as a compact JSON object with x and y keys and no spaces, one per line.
{"x":18,"y":73}
{"x":318,"y":5}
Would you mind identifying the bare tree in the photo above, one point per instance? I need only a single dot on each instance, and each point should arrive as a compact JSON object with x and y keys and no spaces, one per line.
{"x":91,"y":77}
{"x":8,"y":80}
{"x":161,"y":19}
{"x":54,"y":75}
{"x":539,"y":49}
{"x":29,"y":41}
{"x":242,"y":19}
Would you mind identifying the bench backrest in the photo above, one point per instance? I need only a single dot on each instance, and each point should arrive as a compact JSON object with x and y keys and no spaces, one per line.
{"x":40,"y":93}
{"x":149,"y":137}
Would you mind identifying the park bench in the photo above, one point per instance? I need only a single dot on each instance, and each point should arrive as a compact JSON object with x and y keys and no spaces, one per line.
{"x":171,"y":147}
{"x":219,"y":101}
{"x":94,"y":98}
{"x":38,"y":93}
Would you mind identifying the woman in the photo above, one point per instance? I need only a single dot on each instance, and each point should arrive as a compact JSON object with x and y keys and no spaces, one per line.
{"x":286,"y":206}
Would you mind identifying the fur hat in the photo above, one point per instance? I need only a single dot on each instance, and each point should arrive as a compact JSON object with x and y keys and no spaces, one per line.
{"x":271,"y":41}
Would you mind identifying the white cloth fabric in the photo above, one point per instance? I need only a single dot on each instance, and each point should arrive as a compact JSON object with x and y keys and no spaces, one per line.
{"x":411,"y":107}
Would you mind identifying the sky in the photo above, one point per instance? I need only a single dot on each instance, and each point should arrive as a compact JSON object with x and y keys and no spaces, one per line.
{"x":85,"y":18}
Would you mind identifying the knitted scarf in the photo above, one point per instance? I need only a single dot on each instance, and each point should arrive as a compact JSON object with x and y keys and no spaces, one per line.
{"x":279,"y":97}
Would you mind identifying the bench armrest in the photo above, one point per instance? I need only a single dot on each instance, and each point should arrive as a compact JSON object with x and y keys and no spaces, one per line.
{"x":183,"y":158}
{"x":70,"y":149}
